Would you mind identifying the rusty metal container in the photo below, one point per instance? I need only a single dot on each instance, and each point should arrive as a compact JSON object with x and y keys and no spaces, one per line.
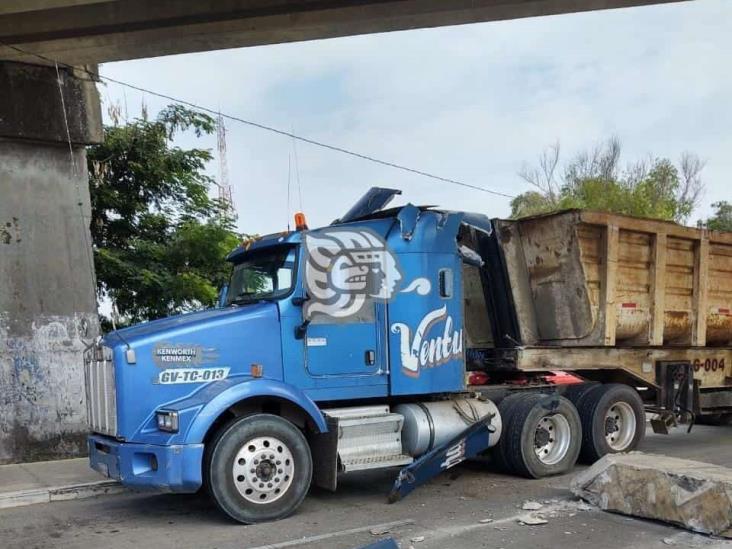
{"x":584,"y":278}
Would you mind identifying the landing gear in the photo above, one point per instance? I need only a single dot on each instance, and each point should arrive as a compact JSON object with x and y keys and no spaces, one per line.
{"x":541,"y":435}
{"x":613,"y":420}
{"x":259,"y":468}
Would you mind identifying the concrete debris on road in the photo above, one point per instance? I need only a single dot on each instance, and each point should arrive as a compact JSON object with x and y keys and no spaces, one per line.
{"x":532,"y":520}
{"x":690,"y":494}
{"x":531,"y":505}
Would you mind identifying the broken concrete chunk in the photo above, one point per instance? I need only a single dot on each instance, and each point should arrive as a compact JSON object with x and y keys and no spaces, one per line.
{"x":691,"y":494}
{"x":531,"y":505}
{"x":532,"y":520}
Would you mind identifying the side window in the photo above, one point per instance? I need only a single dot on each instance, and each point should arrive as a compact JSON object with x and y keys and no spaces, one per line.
{"x":366,"y":314}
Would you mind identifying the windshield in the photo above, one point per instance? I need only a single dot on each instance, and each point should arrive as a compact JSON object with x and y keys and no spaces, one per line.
{"x":266,"y":274}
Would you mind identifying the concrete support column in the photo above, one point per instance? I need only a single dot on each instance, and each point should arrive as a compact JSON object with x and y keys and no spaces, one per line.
{"x":47,"y":301}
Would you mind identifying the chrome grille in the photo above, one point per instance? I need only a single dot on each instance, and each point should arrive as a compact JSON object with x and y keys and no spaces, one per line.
{"x":101,"y":396}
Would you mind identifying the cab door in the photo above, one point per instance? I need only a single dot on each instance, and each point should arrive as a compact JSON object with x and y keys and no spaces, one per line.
{"x":350,"y":347}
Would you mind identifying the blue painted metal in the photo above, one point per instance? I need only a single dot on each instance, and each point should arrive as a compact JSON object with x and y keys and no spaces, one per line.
{"x":336,"y":370}
{"x":262,"y":242}
{"x":479,"y":221}
{"x":232,"y":338}
{"x":249,"y":389}
{"x":374,"y":200}
{"x":408,"y":217}
{"x":223,"y":294}
{"x":469,"y":443}
{"x":387,"y":543}
{"x":171,"y":468}
{"x":406,"y":361}
{"x":418,"y":361}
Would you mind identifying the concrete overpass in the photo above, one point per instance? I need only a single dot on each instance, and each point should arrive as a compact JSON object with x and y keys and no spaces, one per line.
{"x":95,"y":31}
{"x":47,"y":304}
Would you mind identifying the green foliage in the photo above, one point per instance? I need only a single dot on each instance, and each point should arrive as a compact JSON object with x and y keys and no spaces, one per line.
{"x":722,"y":218}
{"x":653,"y":188}
{"x":530,"y":203}
{"x":159,"y":238}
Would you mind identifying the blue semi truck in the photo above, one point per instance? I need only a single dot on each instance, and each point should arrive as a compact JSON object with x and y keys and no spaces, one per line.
{"x":395,"y":337}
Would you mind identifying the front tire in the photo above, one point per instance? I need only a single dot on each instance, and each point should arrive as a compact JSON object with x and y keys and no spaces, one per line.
{"x":613,"y":421}
{"x":259,"y":468}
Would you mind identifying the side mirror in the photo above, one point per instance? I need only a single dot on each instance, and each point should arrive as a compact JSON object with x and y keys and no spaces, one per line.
{"x":302,"y":329}
{"x":223,"y":294}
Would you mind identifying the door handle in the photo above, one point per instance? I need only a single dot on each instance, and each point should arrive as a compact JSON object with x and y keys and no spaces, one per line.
{"x":370,"y":357}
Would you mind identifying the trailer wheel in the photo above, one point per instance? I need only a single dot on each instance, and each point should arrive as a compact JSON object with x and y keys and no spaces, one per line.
{"x":505,"y":409}
{"x":543,"y":436}
{"x":613,"y":421}
{"x":259,"y":468}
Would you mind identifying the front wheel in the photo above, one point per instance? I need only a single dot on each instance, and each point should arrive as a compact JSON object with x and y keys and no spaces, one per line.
{"x":259,"y":468}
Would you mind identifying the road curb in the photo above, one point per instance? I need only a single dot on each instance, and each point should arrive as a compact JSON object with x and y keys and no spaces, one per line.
{"x":22,"y":498}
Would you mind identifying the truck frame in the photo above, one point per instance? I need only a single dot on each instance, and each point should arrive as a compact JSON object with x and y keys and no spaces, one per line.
{"x":413,"y":337}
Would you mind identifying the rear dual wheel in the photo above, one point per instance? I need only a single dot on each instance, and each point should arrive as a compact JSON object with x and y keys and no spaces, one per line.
{"x":613,"y":420}
{"x":541,"y":436}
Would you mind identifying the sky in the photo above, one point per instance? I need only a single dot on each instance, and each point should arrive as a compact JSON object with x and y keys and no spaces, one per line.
{"x":472,"y":103}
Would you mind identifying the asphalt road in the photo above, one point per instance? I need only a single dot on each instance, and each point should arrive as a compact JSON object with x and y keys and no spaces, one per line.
{"x":444,"y":514}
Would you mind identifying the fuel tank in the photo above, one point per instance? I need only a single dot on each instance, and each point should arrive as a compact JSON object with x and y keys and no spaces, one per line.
{"x":429,"y":424}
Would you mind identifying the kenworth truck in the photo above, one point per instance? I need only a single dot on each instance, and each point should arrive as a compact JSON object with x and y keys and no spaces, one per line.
{"x":415,"y":338}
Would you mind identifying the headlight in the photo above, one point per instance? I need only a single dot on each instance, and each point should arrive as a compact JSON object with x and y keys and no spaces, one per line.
{"x":167,"y":420}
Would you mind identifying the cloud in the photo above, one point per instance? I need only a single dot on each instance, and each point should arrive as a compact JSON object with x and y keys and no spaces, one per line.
{"x":470,"y":102}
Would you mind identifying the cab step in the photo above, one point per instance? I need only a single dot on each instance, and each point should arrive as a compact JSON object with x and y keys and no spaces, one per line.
{"x":369,"y":437}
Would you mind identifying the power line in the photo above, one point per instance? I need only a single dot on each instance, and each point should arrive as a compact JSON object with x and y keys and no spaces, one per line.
{"x":265,"y":127}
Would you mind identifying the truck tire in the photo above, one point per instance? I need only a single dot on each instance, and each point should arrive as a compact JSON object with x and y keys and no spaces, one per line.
{"x":613,"y":421}
{"x":259,"y":468}
{"x":505,"y":409}
{"x":577,"y":391}
{"x":543,"y":436}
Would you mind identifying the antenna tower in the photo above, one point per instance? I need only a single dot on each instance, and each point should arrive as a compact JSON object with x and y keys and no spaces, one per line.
{"x":223,"y":183}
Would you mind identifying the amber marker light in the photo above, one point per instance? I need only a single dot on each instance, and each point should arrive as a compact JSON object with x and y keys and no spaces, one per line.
{"x":301,"y":223}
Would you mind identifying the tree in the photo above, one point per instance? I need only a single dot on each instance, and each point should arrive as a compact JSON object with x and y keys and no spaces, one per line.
{"x":159,"y":239}
{"x":722,"y":218}
{"x":593,"y":179}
